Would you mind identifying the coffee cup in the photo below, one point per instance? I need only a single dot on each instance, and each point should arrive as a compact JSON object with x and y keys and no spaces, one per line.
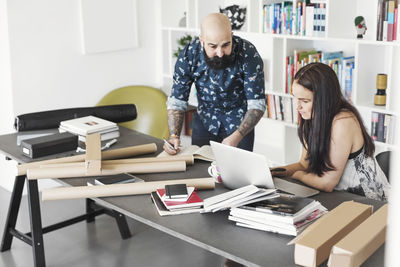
{"x":213,"y":171}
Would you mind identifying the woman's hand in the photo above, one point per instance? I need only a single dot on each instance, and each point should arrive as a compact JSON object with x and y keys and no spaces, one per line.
{"x":279,"y":172}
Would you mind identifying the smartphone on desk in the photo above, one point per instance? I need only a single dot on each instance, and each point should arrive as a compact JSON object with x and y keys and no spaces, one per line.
{"x":122,"y":178}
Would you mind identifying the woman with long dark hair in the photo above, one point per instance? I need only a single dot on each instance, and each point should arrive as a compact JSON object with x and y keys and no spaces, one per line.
{"x":337,"y":151}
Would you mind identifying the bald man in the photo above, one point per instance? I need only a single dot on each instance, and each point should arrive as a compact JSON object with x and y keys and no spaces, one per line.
{"x":229,"y":78}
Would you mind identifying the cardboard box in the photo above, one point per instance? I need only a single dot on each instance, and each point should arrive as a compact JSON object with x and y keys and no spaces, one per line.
{"x":362,"y":242}
{"x":313,"y":246}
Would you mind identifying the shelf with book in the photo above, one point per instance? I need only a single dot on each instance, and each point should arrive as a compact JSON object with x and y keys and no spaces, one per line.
{"x":370,"y":57}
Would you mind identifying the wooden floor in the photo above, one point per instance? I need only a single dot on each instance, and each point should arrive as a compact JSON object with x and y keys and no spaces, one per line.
{"x":98,"y":244}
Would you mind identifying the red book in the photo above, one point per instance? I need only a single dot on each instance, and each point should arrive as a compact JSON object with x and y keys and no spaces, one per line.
{"x":193,"y":201}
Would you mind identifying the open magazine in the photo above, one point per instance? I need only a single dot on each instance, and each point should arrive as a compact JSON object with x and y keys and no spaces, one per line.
{"x":202,"y":153}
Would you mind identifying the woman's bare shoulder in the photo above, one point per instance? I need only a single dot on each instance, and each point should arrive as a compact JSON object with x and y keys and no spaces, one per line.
{"x":345,"y":121}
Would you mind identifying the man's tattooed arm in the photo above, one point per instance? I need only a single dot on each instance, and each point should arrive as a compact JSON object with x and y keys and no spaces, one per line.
{"x":175,"y":121}
{"x":250,"y":120}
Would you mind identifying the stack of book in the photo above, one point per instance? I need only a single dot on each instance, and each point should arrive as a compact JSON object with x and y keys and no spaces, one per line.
{"x":238,"y":197}
{"x":383,"y":127}
{"x":178,"y":205}
{"x":387,"y":20}
{"x":89,"y":125}
{"x":285,"y":214}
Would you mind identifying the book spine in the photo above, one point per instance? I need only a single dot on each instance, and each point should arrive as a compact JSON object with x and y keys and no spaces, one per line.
{"x":385,"y":21}
{"x":374,"y":126}
{"x":390,"y":20}
{"x":392,"y":129}
{"x":303,"y":18}
{"x":379,"y":26}
{"x":380,"y":133}
{"x":386,"y":127}
{"x":398,"y":26}
{"x":395,"y":25}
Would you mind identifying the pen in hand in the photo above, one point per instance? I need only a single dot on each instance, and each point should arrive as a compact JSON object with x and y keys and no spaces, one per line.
{"x":169,"y":145}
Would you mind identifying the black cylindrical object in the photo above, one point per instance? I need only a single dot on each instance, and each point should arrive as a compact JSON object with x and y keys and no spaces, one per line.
{"x":51,"y":119}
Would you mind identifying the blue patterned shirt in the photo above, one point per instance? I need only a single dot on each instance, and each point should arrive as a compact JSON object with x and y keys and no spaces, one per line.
{"x":223,"y":95}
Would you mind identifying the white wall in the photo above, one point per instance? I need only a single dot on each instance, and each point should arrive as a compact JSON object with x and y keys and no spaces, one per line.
{"x":47,"y":69}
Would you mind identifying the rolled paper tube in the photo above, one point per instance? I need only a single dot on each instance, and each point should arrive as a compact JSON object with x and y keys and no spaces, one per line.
{"x":187,"y":158}
{"x":121,"y":189}
{"x":110,"y":154}
{"x":79,"y":171}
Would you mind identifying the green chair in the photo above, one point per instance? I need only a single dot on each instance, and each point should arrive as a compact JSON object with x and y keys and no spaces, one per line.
{"x":150,"y":105}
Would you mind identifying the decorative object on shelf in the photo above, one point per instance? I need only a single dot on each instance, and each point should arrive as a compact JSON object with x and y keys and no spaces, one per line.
{"x":381,"y":84}
{"x":182,"y":21}
{"x":361,"y":27}
{"x":236,"y":15}
{"x":182,"y":42}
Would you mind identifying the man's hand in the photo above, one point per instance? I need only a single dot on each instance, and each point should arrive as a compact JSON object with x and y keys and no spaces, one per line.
{"x":174,"y":142}
{"x":233,"y":139}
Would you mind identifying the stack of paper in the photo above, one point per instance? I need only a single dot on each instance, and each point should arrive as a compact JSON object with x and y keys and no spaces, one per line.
{"x":241,"y":196}
{"x":89,"y":125}
{"x":285,"y":214}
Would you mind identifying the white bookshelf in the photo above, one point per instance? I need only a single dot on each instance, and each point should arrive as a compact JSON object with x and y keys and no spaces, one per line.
{"x":277,"y":140}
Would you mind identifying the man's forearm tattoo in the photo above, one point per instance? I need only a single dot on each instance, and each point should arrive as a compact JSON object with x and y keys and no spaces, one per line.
{"x":250,"y":120}
{"x":175,"y":121}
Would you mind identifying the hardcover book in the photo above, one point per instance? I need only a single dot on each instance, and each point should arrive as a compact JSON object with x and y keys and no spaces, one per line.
{"x":163,"y":211}
{"x":194,"y":201}
{"x":87,"y":125}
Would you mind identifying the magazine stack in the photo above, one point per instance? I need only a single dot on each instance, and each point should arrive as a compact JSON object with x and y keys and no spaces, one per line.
{"x":286,"y":214}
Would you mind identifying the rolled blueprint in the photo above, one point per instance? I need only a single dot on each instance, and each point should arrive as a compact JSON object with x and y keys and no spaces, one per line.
{"x":109,"y":169}
{"x":121,"y":189}
{"x":187,"y":158}
{"x":110,"y":154}
{"x":51,"y":119}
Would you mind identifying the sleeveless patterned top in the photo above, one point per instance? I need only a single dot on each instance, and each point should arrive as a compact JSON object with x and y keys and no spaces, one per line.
{"x":362,"y":175}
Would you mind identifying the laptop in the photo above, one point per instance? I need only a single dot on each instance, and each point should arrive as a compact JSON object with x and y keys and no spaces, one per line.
{"x":240,"y":167}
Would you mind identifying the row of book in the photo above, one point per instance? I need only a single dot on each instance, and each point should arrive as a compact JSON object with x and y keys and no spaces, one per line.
{"x":383,"y":127}
{"x":343,"y":67}
{"x":295,"y":18}
{"x":387,"y":20}
{"x":281,"y":108}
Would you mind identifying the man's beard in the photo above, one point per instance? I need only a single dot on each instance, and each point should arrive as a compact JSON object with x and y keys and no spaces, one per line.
{"x":219,"y":62}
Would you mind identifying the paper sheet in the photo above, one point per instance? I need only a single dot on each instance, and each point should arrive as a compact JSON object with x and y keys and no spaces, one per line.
{"x":121,"y":189}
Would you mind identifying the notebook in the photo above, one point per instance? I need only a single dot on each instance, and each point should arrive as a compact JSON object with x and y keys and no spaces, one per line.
{"x":240,"y":167}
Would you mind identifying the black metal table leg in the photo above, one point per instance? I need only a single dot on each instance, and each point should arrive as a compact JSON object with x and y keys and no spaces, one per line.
{"x":122,"y":224}
{"x":13,"y":210}
{"x":90,"y":209}
{"x":36,"y":223}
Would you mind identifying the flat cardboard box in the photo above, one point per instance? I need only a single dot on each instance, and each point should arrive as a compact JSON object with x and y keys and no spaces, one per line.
{"x":313,"y":246}
{"x":362,"y":242}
